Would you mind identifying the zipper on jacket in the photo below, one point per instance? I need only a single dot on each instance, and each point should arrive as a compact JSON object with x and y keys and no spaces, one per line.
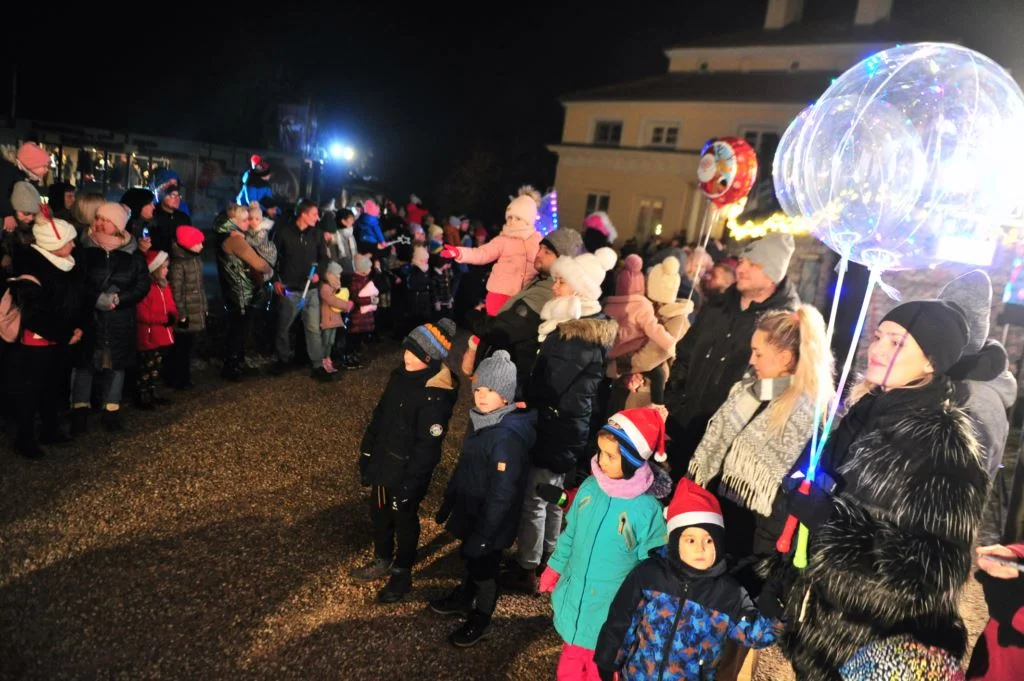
{"x":667,"y":646}
{"x":587,"y":571}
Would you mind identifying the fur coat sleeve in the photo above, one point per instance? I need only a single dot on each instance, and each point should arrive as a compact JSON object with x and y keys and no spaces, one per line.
{"x":896,"y":552}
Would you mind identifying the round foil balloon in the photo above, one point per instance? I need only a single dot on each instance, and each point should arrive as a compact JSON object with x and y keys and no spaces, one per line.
{"x":910,"y":158}
{"x":727,"y":169}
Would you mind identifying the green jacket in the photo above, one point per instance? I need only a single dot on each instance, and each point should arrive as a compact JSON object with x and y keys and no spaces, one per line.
{"x":604,"y":539}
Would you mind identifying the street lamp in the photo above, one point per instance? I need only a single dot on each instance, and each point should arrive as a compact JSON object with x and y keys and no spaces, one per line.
{"x":340,"y":152}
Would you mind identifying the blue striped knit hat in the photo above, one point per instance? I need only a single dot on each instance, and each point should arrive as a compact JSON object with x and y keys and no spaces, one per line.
{"x":431,"y":342}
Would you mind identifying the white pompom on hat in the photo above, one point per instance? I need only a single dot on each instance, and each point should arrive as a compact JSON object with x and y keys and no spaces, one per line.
{"x":585,"y":273}
{"x":663,"y":281}
{"x":52,"y":234}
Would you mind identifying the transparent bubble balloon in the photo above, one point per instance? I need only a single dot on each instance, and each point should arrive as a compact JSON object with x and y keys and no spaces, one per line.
{"x":909,"y":159}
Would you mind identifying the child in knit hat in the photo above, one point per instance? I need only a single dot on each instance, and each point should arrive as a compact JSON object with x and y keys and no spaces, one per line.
{"x":186,"y":278}
{"x":334,"y":302}
{"x":638,"y":324}
{"x":362,"y":321}
{"x":652,"y":360}
{"x":155,"y":316}
{"x":676,"y":610}
{"x":400,"y":450}
{"x":615,"y":517}
{"x":484,"y":498}
{"x":514,"y":250}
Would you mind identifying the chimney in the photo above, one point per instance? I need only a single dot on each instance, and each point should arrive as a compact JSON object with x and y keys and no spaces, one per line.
{"x":872,"y":11}
{"x":782,"y":13}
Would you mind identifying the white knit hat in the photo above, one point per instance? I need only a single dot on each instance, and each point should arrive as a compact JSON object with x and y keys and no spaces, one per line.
{"x":663,"y":281}
{"x":116,"y":213}
{"x":52,"y":235}
{"x":585,"y":272}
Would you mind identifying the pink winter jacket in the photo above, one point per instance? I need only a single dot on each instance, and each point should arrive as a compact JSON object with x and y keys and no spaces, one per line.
{"x":514,"y":253}
{"x":637,"y":323}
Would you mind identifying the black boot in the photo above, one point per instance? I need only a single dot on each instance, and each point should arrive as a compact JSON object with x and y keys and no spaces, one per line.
{"x":145,"y":400}
{"x":398,"y":586}
{"x":80,"y":421}
{"x":111,"y":420}
{"x":458,"y":602}
{"x":470,"y":633}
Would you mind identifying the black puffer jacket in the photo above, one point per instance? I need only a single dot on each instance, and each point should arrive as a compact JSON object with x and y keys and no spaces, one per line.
{"x":711,"y":357}
{"x":564,"y":389}
{"x":125,"y":271}
{"x":55,"y":308}
{"x":164,"y":226}
{"x":485,"y":493}
{"x":402,"y":444}
{"x":896,"y":552}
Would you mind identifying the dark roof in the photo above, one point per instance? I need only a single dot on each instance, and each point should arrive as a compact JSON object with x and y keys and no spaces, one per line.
{"x":819,"y":33}
{"x":724,"y":86}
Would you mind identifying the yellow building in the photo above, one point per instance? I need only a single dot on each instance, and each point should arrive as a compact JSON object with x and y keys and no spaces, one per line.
{"x":631,"y":149}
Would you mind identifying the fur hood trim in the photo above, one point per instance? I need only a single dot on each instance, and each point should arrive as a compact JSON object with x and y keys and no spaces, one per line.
{"x":443,"y":379}
{"x":591,"y":329}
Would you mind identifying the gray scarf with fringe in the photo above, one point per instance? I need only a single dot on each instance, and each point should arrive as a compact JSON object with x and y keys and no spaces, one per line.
{"x":738,"y":444}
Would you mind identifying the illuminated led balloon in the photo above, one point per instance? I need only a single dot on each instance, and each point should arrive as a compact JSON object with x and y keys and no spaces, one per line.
{"x":783,"y":164}
{"x":727,"y":169}
{"x":910,"y":158}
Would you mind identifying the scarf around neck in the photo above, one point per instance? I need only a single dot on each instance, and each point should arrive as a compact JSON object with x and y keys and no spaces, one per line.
{"x":737,"y":445}
{"x":481,"y":420}
{"x":564,"y":309}
{"x":108,"y":242}
{"x":623,"y":488}
{"x":64,"y":264}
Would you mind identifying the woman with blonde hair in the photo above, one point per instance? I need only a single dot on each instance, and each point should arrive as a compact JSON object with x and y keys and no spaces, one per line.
{"x":83,"y":211}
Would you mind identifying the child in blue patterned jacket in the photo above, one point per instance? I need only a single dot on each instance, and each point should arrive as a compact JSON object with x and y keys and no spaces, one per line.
{"x":673,"y":614}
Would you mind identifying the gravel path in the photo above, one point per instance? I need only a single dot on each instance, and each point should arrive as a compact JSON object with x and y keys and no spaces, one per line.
{"x":212,"y":541}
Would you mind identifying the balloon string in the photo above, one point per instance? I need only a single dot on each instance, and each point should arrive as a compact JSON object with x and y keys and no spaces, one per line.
{"x":710,"y":215}
{"x":847,"y":365}
{"x":819,"y":408}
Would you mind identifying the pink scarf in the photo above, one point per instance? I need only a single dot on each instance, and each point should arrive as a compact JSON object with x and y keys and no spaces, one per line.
{"x":625,"y":488}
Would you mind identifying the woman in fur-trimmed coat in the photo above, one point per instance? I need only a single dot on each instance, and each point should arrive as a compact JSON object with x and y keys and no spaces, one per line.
{"x":890,"y":546}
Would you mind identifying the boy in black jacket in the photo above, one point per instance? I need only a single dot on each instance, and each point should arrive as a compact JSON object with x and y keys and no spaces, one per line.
{"x":484,"y":498}
{"x":400,"y":450}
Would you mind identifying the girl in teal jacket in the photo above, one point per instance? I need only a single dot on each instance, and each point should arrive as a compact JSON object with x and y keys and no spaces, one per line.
{"x":613,"y":524}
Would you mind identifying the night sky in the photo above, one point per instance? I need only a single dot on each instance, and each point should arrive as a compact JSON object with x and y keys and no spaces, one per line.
{"x":424,"y":88}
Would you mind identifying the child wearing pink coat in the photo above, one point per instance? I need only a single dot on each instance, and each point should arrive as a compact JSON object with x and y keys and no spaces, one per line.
{"x":514,"y":250}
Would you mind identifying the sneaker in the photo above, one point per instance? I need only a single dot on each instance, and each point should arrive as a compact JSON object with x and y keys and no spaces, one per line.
{"x":472,"y":632}
{"x":457,"y":602}
{"x":398,"y":587}
{"x":374,"y":570}
{"x":350,"y":363}
{"x":320,"y":374}
{"x":111,"y":420}
{"x":328,"y":365}
{"x":520,"y":580}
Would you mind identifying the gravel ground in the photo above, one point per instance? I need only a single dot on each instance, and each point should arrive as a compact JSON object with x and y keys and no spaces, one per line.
{"x":212,"y":541}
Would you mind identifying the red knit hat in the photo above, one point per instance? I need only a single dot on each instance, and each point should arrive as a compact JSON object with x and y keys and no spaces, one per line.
{"x":642,"y":429}
{"x":630,"y":280}
{"x":188,"y":236}
{"x":692,"y":505}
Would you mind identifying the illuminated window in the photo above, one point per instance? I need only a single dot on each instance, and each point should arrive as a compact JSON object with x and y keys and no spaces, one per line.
{"x":649,"y":218}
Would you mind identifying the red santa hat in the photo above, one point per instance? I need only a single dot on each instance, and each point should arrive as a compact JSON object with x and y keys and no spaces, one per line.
{"x":693,"y":505}
{"x":641,"y":429}
{"x":154,"y":259}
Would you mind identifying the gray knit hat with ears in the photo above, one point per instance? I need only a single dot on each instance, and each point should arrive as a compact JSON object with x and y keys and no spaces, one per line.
{"x":973,"y":293}
{"x":498,"y":373}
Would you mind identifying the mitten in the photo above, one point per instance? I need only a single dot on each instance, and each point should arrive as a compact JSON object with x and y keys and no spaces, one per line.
{"x":450,"y":252}
{"x":548,"y":580}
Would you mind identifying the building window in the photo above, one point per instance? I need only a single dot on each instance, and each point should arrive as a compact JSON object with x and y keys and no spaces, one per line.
{"x":662,"y":133}
{"x":649,"y":219}
{"x":597,"y":202}
{"x":765,"y":142}
{"x":608,"y":133}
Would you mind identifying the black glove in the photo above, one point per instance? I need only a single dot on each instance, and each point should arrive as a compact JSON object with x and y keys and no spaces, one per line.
{"x":769,"y":603}
{"x":183,"y":323}
{"x":364,"y":467}
{"x":401,"y":502}
{"x":553,"y":494}
{"x":812,"y":509}
{"x":475,"y":547}
{"x":606,"y":674}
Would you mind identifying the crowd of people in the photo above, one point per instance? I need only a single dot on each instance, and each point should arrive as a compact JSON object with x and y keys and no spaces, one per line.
{"x":639,"y":429}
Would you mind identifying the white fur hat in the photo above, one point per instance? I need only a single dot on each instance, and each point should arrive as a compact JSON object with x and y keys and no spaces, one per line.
{"x":585,"y":273}
{"x":663,"y":281}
